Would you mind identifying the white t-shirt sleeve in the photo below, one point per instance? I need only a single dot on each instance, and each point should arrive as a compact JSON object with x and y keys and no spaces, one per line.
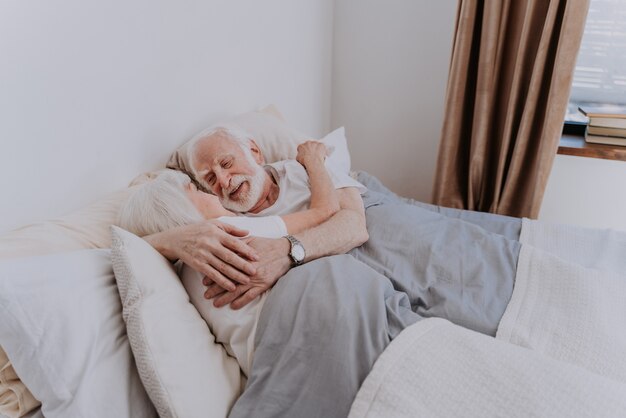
{"x":264,"y":226}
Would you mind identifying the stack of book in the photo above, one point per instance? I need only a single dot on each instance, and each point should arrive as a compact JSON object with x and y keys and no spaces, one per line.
{"x":607,"y":124}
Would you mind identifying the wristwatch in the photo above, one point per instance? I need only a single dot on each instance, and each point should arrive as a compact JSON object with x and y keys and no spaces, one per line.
{"x":297,"y":252}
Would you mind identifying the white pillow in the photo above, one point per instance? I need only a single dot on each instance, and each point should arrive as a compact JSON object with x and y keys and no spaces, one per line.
{"x":184,"y":371}
{"x":338,"y":146}
{"x":277,"y":140}
{"x":274,"y":137}
{"x":63,"y":331}
{"x":267,"y":127}
{"x":87,"y":227}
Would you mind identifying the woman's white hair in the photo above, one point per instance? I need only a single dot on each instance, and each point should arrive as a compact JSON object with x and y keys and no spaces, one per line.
{"x":159,"y":205}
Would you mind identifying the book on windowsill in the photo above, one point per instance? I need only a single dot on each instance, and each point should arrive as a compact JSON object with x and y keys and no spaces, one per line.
{"x":606,"y":140}
{"x":606,"y":131}
{"x":612,"y":123}
{"x":603,"y":111}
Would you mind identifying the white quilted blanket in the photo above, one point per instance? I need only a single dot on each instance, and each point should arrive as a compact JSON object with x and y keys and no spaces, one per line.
{"x":560,"y":349}
{"x":569,"y":300}
{"x":437,"y":369}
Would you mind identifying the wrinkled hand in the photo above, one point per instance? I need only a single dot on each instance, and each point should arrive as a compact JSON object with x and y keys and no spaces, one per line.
{"x":273,"y":263}
{"x":212,"y":248}
{"x":311,"y":152}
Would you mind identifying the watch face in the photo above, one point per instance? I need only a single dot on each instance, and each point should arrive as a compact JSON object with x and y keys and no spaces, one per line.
{"x":297,"y":252}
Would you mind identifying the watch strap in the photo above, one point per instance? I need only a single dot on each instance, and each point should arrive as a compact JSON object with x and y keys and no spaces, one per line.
{"x":294,"y":242}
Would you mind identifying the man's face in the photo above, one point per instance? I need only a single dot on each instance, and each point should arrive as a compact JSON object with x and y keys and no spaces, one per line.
{"x":223,"y":167}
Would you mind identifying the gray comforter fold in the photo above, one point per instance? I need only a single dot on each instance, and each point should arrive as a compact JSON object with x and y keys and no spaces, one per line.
{"x":326,"y":322}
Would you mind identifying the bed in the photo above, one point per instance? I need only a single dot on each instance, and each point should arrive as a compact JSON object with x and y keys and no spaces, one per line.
{"x":95,"y":322}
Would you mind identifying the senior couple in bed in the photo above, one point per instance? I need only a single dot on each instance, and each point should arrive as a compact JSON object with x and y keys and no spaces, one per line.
{"x":325,"y":322}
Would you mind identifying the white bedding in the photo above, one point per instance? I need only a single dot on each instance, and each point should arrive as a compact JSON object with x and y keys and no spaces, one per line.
{"x":602,"y":249}
{"x":560,"y":348}
{"x":437,"y":369}
{"x":565,"y":310}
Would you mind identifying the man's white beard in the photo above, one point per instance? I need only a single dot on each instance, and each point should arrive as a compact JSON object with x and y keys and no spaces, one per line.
{"x":248,"y":200}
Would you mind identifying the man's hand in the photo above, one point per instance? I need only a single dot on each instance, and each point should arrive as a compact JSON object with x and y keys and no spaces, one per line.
{"x":311,"y":153}
{"x":212,"y":248}
{"x":273,"y":263}
{"x":341,"y":233}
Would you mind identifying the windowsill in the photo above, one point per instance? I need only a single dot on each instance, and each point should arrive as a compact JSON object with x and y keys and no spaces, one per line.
{"x":576,"y":145}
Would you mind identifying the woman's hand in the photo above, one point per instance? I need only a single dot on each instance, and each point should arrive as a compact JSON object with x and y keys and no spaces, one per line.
{"x":212,"y":248}
{"x":274,"y":262}
{"x":311,"y":152}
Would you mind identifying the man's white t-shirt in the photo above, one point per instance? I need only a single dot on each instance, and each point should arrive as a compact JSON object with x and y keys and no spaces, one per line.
{"x":235,"y":329}
{"x":295,"y":190}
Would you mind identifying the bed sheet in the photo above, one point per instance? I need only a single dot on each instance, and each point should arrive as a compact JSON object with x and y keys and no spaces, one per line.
{"x":326,"y":322}
{"x":506,"y":226}
{"x":559,"y":350}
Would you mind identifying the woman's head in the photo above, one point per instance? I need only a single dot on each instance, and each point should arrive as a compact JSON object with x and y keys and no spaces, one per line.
{"x":207,"y":204}
{"x":168,"y":201}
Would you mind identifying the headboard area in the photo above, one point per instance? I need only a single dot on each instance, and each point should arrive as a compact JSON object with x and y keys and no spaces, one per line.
{"x":93,"y":93}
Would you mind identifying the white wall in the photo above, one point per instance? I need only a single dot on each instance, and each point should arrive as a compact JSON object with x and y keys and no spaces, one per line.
{"x":94,"y":92}
{"x":390,"y":68}
{"x":587,"y":192}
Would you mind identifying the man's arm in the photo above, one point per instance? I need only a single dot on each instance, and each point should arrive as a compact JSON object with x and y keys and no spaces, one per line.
{"x":342,"y":232}
{"x":211,"y":248}
{"x":324,"y":197}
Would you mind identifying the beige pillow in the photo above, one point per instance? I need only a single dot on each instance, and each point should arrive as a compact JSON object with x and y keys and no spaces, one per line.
{"x":82,"y":229}
{"x":267,"y":127}
{"x":185,"y":373}
{"x":15,"y":399}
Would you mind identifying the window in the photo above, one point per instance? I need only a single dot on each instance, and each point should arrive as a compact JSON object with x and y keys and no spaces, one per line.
{"x":600,"y":75}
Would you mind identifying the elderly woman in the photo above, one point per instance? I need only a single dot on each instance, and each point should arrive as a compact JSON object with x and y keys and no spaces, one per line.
{"x":172,"y":200}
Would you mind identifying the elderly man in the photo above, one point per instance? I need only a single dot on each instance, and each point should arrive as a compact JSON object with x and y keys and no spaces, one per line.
{"x":230,"y":164}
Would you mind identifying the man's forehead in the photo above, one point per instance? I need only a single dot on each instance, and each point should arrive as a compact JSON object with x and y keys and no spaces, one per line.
{"x":212,"y":148}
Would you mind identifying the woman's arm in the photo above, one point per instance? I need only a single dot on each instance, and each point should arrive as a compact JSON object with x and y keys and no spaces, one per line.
{"x":213,"y":248}
{"x":324,"y":200}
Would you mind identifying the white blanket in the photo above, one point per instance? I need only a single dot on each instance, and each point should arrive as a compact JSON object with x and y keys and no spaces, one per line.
{"x":602,"y":249}
{"x":563,"y":308}
{"x":437,"y":369}
{"x":568,"y":314}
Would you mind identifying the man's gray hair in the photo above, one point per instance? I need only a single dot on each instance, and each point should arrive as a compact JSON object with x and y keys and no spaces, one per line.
{"x":159,"y":205}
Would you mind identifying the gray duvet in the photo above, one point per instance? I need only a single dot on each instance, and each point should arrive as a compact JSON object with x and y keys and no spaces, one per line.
{"x":326,"y":322}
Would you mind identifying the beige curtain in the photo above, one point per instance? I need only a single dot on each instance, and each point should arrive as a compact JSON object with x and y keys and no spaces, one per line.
{"x":510,"y":76}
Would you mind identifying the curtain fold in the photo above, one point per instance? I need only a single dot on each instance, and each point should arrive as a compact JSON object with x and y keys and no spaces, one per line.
{"x":510,"y":74}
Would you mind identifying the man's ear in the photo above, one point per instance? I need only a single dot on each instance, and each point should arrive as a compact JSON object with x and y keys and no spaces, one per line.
{"x":256,"y":152}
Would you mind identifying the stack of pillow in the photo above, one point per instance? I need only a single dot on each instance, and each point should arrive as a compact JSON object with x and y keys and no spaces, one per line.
{"x":83,"y":340}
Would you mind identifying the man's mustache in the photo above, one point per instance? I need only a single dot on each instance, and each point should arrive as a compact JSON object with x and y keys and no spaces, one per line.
{"x":235,"y":181}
